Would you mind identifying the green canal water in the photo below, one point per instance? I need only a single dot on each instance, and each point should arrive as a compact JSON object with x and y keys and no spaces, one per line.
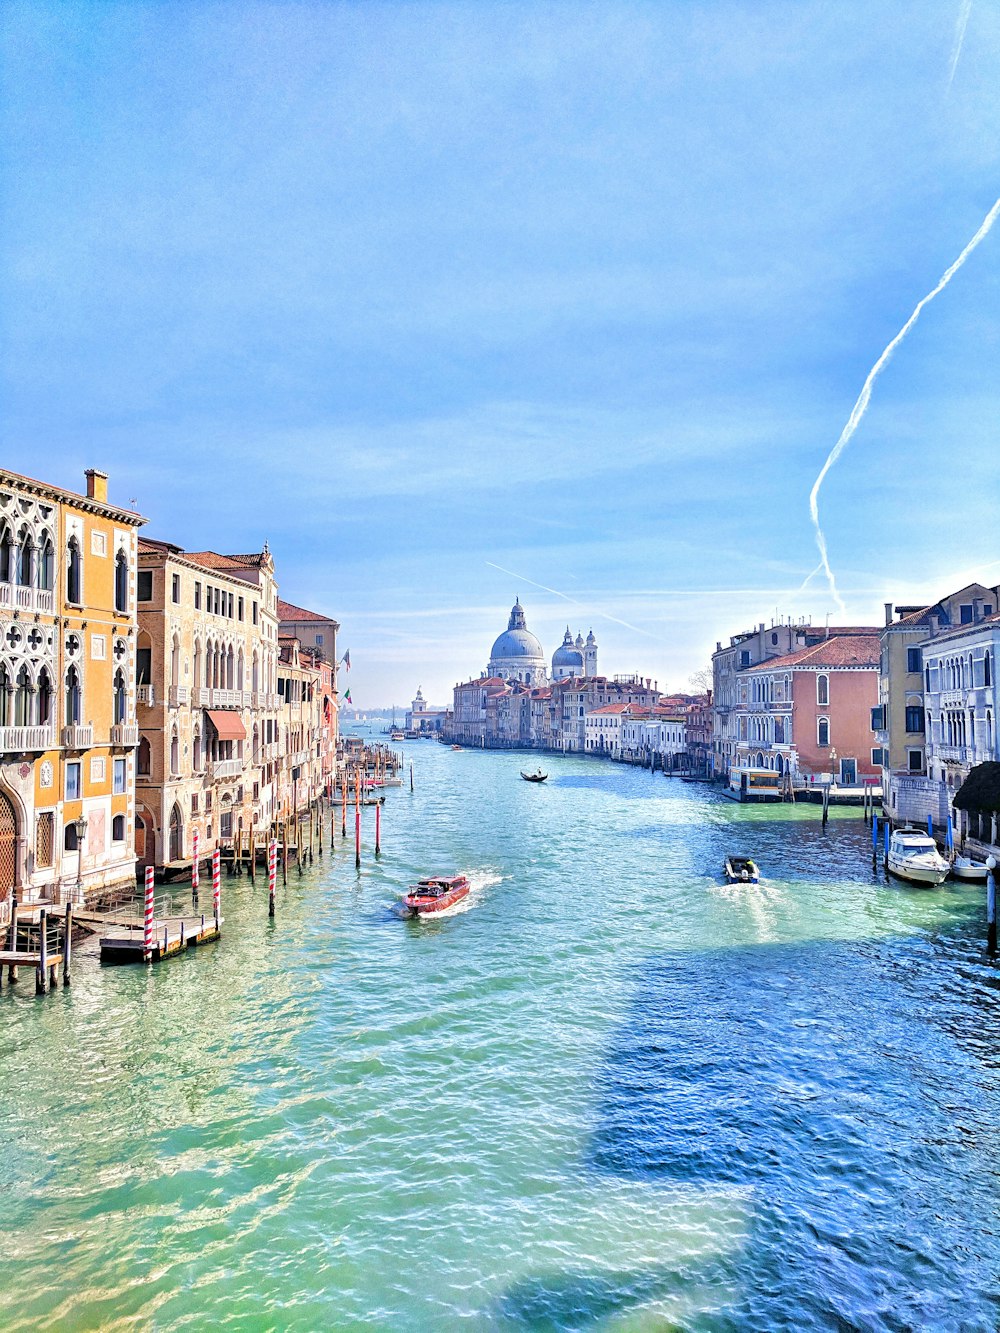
{"x":610,"y":1093}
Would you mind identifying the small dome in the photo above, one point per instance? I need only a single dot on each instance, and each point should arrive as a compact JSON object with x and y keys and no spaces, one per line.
{"x":566,"y":655}
{"x":579,"y":642}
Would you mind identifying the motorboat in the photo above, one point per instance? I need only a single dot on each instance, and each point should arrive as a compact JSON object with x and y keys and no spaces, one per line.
{"x":435,"y":894}
{"x":742,"y":870}
{"x":534,"y":777}
{"x":914,"y":856}
{"x":456,"y":747}
{"x":964,"y":867}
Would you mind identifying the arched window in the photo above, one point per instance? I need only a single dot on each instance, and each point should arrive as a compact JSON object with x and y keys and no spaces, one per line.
{"x":239,"y":669}
{"x":6,"y":555}
{"x":118,"y":828}
{"x":196,"y":759}
{"x":988,"y":668}
{"x":823,"y":731}
{"x":175,"y":662}
{"x":143,"y":757}
{"x":121,"y":581}
{"x":44,"y":697}
{"x":23,"y":693}
{"x":823,"y":691}
{"x":230,"y":669}
{"x":176,"y":834}
{"x":175,"y":754}
{"x":73,"y":580}
{"x":197,"y":663}
{"x":255,"y":674}
{"x":6,"y":689}
{"x":70,"y":841}
{"x":121,"y":698}
{"x":72,"y":697}
{"x":46,"y":563}
{"x":25,"y":549}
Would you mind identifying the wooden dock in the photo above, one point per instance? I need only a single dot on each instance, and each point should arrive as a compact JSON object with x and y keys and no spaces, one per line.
{"x":37,"y":938}
{"x":171,"y":936}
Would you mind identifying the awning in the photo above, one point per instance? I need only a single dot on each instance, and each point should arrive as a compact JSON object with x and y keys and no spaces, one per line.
{"x":228,"y":726}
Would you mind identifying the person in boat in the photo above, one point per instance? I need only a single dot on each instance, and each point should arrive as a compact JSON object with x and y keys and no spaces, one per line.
{"x":744,"y":875}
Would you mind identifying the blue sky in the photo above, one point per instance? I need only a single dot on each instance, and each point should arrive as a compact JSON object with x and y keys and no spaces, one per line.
{"x":583,"y":291}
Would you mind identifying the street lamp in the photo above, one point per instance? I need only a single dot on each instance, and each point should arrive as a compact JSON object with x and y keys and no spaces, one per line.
{"x":80,"y":824}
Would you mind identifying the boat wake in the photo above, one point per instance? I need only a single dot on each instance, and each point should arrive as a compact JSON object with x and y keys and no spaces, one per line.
{"x":479,"y":882}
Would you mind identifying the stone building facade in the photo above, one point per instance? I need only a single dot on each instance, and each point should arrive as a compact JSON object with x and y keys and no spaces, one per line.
{"x":209,"y":753}
{"x":67,"y":692}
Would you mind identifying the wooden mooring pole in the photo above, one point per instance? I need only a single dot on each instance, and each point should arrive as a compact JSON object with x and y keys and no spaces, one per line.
{"x":357,"y":838}
{"x":67,"y":943}
{"x":826,"y":804}
{"x":378,"y":829}
{"x":194,"y":868}
{"x":411,"y":777}
{"x":991,"y":904}
{"x":41,"y":976}
{"x":272,"y":873}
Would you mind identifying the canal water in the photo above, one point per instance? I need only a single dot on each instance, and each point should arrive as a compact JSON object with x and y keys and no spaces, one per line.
{"x":611,"y":1093}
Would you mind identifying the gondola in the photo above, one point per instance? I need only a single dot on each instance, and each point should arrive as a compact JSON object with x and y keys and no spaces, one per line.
{"x":534,"y":777}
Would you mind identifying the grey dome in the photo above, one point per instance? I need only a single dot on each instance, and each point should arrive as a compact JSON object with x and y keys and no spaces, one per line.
{"x":566,"y":655}
{"x":517,"y":643}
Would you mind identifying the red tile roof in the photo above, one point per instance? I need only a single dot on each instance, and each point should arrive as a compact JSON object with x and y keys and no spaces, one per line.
{"x":289,"y":611}
{"x":213,"y":560}
{"x":842,"y":650}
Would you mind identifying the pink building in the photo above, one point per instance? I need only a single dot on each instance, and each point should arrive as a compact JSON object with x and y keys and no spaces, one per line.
{"x":810,"y":712}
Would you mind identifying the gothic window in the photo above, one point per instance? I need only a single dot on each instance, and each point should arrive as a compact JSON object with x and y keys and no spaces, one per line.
{"x":24,"y":552}
{"x":44,"y":697}
{"x":6,"y":555}
{"x":175,"y":754}
{"x":143,"y":757}
{"x":73,"y":700}
{"x":73,"y":580}
{"x":823,"y":731}
{"x":6,"y":688}
{"x":196,"y":761}
{"x":22,"y":699}
{"x":175,"y":662}
{"x":121,"y":582}
{"x":46,"y":564}
{"x":121,"y":697}
{"x":988,"y":668}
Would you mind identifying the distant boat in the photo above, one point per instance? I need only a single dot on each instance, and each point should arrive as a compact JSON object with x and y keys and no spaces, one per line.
{"x":742,"y":870}
{"x":456,"y":747}
{"x":534,"y":777}
{"x":436,"y":894}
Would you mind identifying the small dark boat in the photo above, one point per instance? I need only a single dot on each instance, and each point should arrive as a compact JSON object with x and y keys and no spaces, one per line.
{"x":435,"y":894}
{"x":456,"y":747}
{"x":534,"y":777}
{"x":742,"y":870}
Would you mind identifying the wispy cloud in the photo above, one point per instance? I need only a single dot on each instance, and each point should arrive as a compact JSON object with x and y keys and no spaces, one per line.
{"x":960,"y":27}
{"x":864,"y":397}
{"x":566,"y":598}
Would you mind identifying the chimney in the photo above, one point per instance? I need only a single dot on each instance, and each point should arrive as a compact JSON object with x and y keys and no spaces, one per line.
{"x":97,"y":485}
{"x":888,"y":613}
{"x":977,"y":609}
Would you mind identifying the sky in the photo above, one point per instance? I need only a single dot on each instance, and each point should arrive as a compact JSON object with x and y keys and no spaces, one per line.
{"x":457,"y":303}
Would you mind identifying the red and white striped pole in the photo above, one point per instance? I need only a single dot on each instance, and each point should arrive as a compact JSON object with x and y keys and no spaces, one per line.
{"x":272,"y":873}
{"x":194,"y":869}
{"x":216,"y":886}
{"x":147,"y":928}
{"x":357,"y":837}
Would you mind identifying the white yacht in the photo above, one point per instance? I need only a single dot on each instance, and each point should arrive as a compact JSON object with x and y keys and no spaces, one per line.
{"x":914,"y":856}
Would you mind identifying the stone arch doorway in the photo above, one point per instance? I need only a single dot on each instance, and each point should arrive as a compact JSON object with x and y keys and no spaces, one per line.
{"x":8,"y":848}
{"x":145,"y":845}
{"x":176,"y":843}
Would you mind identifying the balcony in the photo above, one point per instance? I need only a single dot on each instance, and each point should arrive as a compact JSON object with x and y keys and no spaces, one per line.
{"x":25,"y":740}
{"x":13,"y":595}
{"x":146,"y":695}
{"x":125,"y":734}
{"x":225,"y":768}
{"x":178,"y":695}
{"x":225,"y":698}
{"x":78,"y":737}
{"x":200,"y":696}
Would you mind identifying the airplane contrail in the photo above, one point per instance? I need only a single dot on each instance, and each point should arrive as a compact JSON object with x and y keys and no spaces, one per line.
{"x":864,"y":397}
{"x":566,"y":598}
{"x":960,"y":27}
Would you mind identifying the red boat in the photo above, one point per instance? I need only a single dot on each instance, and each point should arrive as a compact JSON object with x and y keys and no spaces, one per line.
{"x":436,"y":894}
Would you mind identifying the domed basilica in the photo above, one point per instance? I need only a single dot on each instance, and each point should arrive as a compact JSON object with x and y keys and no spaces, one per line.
{"x":517,"y":655}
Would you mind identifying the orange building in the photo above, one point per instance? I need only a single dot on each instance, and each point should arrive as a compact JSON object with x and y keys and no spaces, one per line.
{"x":67,"y":690}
